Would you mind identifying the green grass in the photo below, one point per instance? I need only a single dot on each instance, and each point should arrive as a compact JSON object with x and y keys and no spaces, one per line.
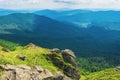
{"x":34,"y":56}
{"x":108,"y":74}
{"x":9,"y":45}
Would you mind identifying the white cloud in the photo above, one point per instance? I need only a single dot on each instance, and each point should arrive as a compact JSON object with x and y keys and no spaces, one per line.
{"x":58,"y":4}
{"x":30,"y":4}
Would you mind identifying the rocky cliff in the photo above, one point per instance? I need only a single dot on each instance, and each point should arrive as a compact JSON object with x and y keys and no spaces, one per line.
{"x":64,"y":62}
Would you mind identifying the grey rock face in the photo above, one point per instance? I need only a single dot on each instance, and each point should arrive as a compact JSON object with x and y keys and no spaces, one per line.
{"x":23,"y":72}
{"x":55,"y":50}
{"x":61,"y":59}
{"x":69,"y":56}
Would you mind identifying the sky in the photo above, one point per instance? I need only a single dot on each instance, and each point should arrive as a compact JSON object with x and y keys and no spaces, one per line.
{"x":60,"y":4}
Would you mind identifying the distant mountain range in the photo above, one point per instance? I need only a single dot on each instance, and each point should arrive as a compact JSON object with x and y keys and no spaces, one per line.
{"x":86,"y":18}
{"x":81,"y":18}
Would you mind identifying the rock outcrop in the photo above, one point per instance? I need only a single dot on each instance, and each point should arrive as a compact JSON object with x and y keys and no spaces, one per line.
{"x":24,"y":72}
{"x":31,"y":45}
{"x":21,"y":57}
{"x":117,"y":67}
{"x":65,"y":60}
{"x":5,"y":49}
{"x":62,"y":61}
{"x":69,"y":56}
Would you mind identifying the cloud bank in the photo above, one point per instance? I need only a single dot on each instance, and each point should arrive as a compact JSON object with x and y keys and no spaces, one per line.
{"x":60,"y":4}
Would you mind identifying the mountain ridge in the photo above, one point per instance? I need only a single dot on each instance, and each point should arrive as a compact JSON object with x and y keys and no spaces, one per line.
{"x":33,"y":23}
{"x":84,"y":18}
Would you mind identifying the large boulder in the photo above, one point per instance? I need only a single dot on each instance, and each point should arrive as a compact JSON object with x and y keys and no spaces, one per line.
{"x":65,"y":60}
{"x":69,"y":56}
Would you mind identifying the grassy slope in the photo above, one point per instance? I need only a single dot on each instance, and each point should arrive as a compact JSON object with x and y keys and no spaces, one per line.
{"x":34,"y":56}
{"x":108,"y":74}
